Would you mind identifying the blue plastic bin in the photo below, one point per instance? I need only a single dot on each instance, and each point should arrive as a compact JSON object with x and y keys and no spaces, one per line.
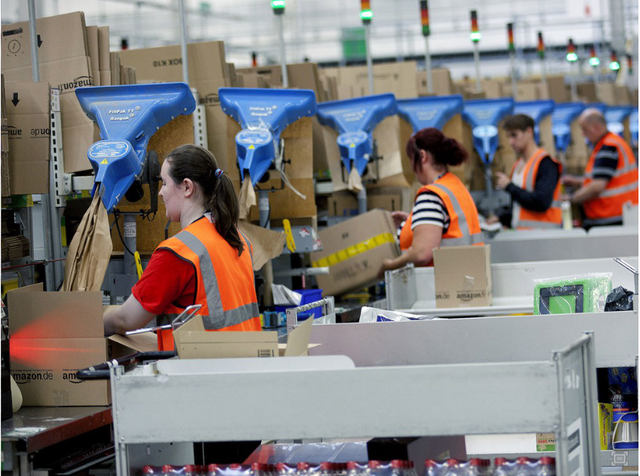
{"x":308,"y":295}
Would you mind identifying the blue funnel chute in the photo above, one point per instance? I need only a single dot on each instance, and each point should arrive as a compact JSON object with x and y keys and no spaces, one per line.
{"x":355,"y":120}
{"x":563,"y":115}
{"x":128,"y":116}
{"x":615,"y":117}
{"x":263,"y":114}
{"x":484,"y":116}
{"x":430,"y":111}
{"x":537,"y":110}
{"x":633,"y":127}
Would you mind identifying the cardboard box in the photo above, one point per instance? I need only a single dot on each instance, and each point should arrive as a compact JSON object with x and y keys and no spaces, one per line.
{"x":59,"y":37}
{"x":607,"y":93}
{"x":55,"y":334}
{"x":605,"y":419}
{"x":5,"y":187}
{"x":623,"y":97}
{"x":492,"y":88}
{"x":342,"y":204}
{"x":557,"y":89}
{"x":587,"y":91}
{"x":28,"y":128}
{"x":397,"y":78}
{"x":354,"y":250}
{"x":463,"y":276}
{"x":192,"y":341}
{"x":94,"y":53}
{"x":442,"y":83}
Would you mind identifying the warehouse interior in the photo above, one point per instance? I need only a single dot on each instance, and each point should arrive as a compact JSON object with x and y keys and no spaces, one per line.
{"x":303,"y":238}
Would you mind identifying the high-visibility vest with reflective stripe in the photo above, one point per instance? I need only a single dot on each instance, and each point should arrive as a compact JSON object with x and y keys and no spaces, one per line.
{"x":464,"y":225}
{"x":550,"y":218}
{"x":622,"y":188}
{"x":224,"y":281}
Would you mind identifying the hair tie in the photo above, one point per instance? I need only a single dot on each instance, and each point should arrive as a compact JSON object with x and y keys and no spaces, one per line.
{"x":218,"y":173}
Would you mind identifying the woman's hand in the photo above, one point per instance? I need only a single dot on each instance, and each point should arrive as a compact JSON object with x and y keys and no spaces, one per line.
{"x":492,"y":219}
{"x":399,"y":218}
{"x":387,"y":264}
{"x":502,"y":180}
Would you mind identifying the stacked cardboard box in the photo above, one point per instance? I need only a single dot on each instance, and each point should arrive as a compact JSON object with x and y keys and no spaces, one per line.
{"x":442,"y":83}
{"x":63,"y":55}
{"x":28,"y":125}
{"x":391,"y":199}
{"x":4,"y":143}
{"x":208,"y":71}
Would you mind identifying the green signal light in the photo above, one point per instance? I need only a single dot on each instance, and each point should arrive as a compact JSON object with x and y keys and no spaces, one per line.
{"x":572,"y":57}
{"x":614,"y":65}
{"x":366,"y":15}
{"x":475,"y":36}
{"x":594,"y":61}
{"x":278,"y":4}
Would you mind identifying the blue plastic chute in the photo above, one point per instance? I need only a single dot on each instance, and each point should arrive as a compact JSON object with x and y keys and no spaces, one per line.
{"x":615,"y":117}
{"x":537,"y":110}
{"x":484,"y":115}
{"x":429,"y":111}
{"x":263,"y":115}
{"x":128,"y":116}
{"x":355,"y":120}
{"x":563,"y":115}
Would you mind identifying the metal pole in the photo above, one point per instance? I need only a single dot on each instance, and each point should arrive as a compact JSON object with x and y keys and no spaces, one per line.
{"x":427,"y":63}
{"x":543,"y":71}
{"x":263,"y":208}
{"x":476,"y":60}
{"x":47,"y":217}
{"x":283,"y":58}
{"x":514,"y":86}
{"x":367,"y":40}
{"x":185,"y":58}
{"x":574,"y":86}
{"x":362,"y":201}
{"x":129,"y":239}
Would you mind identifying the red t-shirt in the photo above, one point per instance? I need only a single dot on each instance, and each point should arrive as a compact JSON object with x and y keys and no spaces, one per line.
{"x":168,"y":279}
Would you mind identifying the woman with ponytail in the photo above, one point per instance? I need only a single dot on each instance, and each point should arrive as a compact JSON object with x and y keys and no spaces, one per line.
{"x":444,"y":214}
{"x":209,"y":262}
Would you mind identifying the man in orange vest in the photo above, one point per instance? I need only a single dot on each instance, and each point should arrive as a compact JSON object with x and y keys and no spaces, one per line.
{"x":610,"y":178}
{"x":534,"y":181}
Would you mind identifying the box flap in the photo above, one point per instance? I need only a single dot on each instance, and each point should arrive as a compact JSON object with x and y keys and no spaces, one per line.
{"x":140,"y":342}
{"x":36,"y":314}
{"x":298,"y":339}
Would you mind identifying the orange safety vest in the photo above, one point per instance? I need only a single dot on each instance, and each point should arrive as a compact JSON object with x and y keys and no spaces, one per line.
{"x":550,"y":218}
{"x":464,"y":225}
{"x":224,"y":281}
{"x":623,"y":187}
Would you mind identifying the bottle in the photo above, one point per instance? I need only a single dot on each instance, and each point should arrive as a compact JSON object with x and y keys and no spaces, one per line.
{"x":191,"y":470}
{"x":567,"y":217}
{"x":547,"y":466}
{"x":431,"y":468}
{"x":411,"y":469}
{"x":213,"y":470}
{"x":475,"y":467}
{"x":354,"y":469}
{"x":452,"y":467}
{"x":303,"y":469}
{"x":501,"y":467}
{"x":523,"y":467}
{"x":282,"y":469}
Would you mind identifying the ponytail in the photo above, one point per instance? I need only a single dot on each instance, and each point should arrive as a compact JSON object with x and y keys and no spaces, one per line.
{"x":225,"y":210}
{"x":218,"y":195}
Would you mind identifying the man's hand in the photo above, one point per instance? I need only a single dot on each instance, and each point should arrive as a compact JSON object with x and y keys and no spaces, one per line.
{"x":492,"y":219}
{"x":571,"y":181}
{"x":502,"y":180}
{"x":399,"y":217}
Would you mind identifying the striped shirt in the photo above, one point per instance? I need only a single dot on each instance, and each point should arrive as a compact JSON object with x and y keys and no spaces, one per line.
{"x":429,"y":209}
{"x":606,"y":163}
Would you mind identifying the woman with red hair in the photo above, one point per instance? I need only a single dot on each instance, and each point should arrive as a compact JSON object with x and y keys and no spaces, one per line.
{"x":444,"y":214}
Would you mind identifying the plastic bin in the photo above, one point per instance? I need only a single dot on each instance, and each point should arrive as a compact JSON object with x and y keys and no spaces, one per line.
{"x":308,"y":296}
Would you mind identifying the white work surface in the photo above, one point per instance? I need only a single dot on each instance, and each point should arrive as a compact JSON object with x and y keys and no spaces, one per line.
{"x":413,"y":290}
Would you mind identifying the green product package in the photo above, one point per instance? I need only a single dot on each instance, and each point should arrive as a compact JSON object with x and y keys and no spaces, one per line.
{"x":567,"y":295}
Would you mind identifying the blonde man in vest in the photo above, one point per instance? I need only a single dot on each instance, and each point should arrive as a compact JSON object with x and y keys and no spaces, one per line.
{"x":534,"y":183}
{"x":209,"y":262}
{"x":444,"y":214}
{"x":610,"y":178}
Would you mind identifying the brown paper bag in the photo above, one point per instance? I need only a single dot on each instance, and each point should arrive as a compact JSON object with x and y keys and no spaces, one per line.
{"x":267,"y":244}
{"x":90,"y":250}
